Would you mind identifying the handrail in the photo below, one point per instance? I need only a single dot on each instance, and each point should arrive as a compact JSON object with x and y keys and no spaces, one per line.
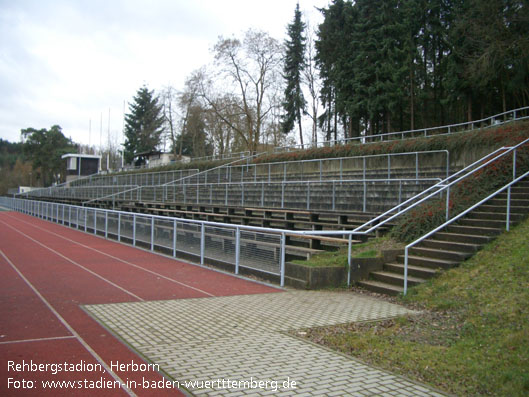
{"x":455,"y":218}
{"x":493,"y":122}
{"x":486,"y":160}
{"x":341,"y":159}
{"x":441,"y":185}
{"x":177,"y":180}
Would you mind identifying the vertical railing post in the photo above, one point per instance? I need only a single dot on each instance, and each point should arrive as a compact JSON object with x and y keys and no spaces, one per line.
{"x":349,"y":259}
{"x":106,"y":224}
{"x":308,"y":195}
{"x":514,"y":165}
{"x":508,"y":209}
{"x":119,"y":226}
{"x":282,"y":259}
{"x":237,"y":249}
{"x":416,"y":168}
{"x":365,"y":196}
{"x":447,"y":202}
{"x":174,"y":237}
{"x":202,"y":242}
{"x":152,"y":233}
{"x":405,"y":290}
{"x":134,"y":230}
{"x":333,"y":195}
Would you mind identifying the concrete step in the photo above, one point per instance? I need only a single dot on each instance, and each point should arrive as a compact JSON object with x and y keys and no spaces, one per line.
{"x":380,"y":287}
{"x":502,"y":208}
{"x":295,"y":282}
{"x":453,"y":245}
{"x":516,"y":202}
{"x":443,"y":254}
{"x":395,"y":278}
{"x":415,"y":271}
{"x":432,"y":263}
{"x":463,"y":238}
{"x":499,"y":215}
{"x":484,"y":223}
{"x":474,"y":230}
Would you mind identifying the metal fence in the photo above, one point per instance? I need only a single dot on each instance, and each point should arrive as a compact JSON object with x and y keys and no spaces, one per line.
{"x":242,"y":247}
{"x":250,"y":247}
{"x":498,"y":119}
{"x":389,"y":165}
{"x":237,"y":177}
{"x":349,"y":195}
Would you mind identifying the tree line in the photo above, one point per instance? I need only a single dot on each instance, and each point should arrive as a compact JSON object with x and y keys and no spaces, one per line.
{"x":372,"y":66}
{"x":403,"y":64}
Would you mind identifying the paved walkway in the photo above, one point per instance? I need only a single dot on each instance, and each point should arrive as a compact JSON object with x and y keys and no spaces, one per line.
{"x":238,"y":345}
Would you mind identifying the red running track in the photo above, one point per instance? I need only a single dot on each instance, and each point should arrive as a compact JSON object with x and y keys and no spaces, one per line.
{"x":48,"y":272}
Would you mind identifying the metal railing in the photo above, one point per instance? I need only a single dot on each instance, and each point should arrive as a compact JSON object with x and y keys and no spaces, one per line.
{"x":348,"y":194}
{"x":318,"y":169}
{"x":271,"y":172}
{"x":225,"y":156}
{"x":248,"y":247}
{"x":128,"y":179}
{"x":460,"y":215}
{"x":44,"y":209}
{"x":492,"y":121}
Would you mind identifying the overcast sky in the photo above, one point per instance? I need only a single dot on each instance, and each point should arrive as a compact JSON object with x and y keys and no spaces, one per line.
{"x":69,"y":62}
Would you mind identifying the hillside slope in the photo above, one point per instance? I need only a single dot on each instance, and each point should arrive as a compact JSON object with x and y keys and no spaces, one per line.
{"x":473,"y":336}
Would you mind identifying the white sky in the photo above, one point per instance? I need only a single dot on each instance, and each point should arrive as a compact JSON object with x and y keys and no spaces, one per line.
{"x":68,"y":62}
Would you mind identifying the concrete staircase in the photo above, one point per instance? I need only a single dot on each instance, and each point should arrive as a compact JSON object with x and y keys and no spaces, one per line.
{"x":453,"y":245}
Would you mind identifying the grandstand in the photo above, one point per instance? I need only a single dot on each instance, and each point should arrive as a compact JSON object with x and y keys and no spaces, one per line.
{"x":254,"y":216}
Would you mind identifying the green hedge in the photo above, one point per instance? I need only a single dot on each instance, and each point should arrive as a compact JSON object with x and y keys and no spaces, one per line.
{"x":457,"y":143}
{"x":469,"y":191}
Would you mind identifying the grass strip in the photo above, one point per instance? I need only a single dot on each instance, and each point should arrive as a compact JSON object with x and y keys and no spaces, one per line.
{"x":473,"y":335}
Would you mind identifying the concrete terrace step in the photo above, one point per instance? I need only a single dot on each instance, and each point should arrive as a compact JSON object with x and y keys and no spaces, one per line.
{"x":443,"y":254}
{"x":474,"y":230}
{"x":462,"y":238}
{"x":395,"y":278}
{"x":453,"y":245}
{"x":416,"y":260}
{"x":484,"y":223}
{"x":380,"y":287}
{"x":416,"y":271}
{"x":502,"y":208}
{"x":480,"y":214}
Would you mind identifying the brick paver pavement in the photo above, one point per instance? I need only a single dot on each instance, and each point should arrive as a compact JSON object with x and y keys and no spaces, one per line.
{"x":240,"y":346}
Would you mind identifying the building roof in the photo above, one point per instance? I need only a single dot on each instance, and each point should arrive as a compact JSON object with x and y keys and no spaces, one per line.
{"x":84,"y":156}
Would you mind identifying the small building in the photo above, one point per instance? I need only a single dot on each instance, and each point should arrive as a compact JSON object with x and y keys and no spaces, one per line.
{"x":153,"y":159}
{"x":80,"y":165}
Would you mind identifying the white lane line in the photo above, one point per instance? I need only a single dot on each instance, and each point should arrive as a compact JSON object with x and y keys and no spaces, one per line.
{"x":37,"y":339}
{"x":70,"y":328}
{"x":119,"y":259}
{"x":74,"y":262}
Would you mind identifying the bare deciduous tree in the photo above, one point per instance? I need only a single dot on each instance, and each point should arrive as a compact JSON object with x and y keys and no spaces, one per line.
{"x":251,"y":65}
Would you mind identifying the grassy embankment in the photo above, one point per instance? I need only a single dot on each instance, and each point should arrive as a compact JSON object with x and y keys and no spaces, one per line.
{"x":473,"y":335}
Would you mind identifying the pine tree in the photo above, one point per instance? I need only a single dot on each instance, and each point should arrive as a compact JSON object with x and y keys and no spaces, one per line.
{"x":143,"y":125}
{"x":294,"y":65}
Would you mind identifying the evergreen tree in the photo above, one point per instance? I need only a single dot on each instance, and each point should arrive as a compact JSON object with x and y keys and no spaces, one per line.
{"x":143,"y":125}
{"x":294,"y":65}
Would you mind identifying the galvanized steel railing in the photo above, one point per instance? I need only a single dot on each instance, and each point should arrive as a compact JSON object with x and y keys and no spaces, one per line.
{"x":498,"y":119}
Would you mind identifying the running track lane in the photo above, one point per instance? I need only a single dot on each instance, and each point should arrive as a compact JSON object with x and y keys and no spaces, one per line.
{"x":49,"y":270}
